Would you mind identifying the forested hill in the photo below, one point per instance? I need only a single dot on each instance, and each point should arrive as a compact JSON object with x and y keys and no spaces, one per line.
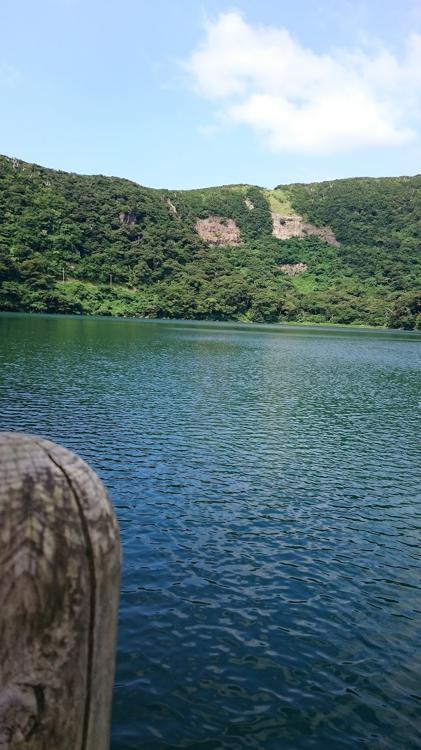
{"x":346,"y":251}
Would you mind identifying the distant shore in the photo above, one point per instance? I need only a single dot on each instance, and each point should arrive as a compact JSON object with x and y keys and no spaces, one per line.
{"x":211,"y":321}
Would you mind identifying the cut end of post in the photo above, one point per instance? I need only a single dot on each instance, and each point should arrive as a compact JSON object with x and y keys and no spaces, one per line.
{"x":59,"y":586}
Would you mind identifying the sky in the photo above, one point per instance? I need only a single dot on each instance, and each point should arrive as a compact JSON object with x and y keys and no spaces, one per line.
{"x":190,"y":93}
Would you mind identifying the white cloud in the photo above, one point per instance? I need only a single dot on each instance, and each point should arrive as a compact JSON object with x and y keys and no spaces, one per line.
{"x":303,"y":101}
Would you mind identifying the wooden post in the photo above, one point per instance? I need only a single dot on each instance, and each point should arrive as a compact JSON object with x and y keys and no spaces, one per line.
{"x":59,"y":585}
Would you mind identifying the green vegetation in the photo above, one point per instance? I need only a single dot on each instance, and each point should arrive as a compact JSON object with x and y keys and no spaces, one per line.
{"x":128,"y":250}
{"x":279,"y":202}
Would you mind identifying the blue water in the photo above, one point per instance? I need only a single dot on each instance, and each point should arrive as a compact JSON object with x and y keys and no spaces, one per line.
{"x":267,"y":485}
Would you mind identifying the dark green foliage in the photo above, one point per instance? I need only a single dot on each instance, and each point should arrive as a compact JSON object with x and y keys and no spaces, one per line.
{"x":377,"y":221}
{"x":129,"y":250}
{"x":406,"y":311}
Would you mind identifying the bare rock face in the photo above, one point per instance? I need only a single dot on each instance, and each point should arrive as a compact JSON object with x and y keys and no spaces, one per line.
{"x":171,"y":207}
{"x":218,"y":231}
{"x":293,"y":269}
{"x":249,"y":204}
{"x":285,"y":227}
{"x":127,"y":218}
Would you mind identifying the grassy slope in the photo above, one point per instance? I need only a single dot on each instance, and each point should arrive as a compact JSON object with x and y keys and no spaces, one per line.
{"x":95,"y":227}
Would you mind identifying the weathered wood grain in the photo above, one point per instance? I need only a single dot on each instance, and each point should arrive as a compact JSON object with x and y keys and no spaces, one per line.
{"x":59,"y":583}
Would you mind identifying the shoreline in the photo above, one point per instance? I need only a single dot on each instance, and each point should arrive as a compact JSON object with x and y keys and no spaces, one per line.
{"x":210,"y":321}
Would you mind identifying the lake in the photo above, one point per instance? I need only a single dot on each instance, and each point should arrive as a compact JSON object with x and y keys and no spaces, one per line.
{"x":267,"y":485}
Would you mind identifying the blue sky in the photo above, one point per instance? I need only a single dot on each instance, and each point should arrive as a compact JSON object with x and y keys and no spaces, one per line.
{"x":184,"y":94}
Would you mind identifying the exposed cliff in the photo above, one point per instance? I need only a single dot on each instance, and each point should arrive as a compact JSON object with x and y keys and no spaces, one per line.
{"x":285,"y":227}
{"x":218,"y":231}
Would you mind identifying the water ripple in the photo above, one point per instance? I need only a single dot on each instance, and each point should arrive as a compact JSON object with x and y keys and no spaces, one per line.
{"x":267,"y":486}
